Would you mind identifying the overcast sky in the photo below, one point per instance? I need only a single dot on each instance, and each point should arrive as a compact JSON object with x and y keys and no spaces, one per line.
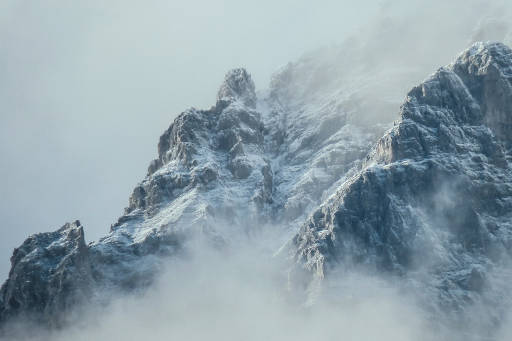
{"x":87,"y":87}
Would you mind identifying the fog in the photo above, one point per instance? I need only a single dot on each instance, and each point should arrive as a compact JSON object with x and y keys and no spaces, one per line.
{"x":240,"y":293}
{"x":85,"y":91}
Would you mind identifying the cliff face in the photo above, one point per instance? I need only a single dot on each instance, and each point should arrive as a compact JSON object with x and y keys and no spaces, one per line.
{"x":222,"y":172}
{"x":429,"y":202}
{"x":50,"y":272}
{"x":433,"y":201}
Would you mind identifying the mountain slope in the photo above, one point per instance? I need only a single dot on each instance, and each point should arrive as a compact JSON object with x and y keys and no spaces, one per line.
{"x":433,"y":201}
{"x":221,"y":173}
{"x":429,"y":203}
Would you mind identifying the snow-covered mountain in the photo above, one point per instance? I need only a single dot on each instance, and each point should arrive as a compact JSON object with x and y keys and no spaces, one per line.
{"x":317,"y":159}
{"x":432,"y":203}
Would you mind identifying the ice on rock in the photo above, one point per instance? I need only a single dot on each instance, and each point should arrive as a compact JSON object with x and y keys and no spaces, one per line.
{"x":238,"y":86}
{"x":312,"y":156}
{"x":432,"y":205}
{"x":50,"y":272}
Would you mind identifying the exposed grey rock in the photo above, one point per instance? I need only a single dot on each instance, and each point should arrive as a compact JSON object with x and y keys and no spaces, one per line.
{"x":50,"y":272}
{"x":216,"y":165}
{"x":247,"y":161}
{"x":202,"y":158}
{"x":433,"y":202}
{"x":238,"y":85}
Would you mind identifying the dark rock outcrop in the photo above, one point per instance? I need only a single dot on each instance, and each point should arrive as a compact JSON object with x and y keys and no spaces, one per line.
{"x":237,"y":86}
{"x":433,"y":202}
{"x":202,"y":158}
{"x":429,"y":203}
{"x":50,"y":272}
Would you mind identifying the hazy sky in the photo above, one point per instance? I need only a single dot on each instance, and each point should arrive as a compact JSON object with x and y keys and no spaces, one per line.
{"x":86,"y":89}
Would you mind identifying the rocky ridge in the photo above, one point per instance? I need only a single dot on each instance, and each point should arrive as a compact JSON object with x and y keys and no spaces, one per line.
{"x":432,"y":203}
{"x":266,"y":159}
{"x":219,"y":172}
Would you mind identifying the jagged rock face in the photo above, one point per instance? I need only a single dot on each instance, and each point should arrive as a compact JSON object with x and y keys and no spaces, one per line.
{"x":433,"y":202}
{"x":238,"y":85}
{"x":250,"y":161}
{"x":50,"y":272}
{"x":210,"y":163}
{"x":240,"y":164}
{"x":210,"y":152}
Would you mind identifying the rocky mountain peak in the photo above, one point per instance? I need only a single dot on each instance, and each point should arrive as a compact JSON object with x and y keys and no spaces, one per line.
{"x":237,"y":86}
{"x":50,"y":272}
{"x":476,"y":87}
{"x":428,"y":202}
{"x":486,"y":70}
{"x":431,"y":204}
{"x":475,"y":90}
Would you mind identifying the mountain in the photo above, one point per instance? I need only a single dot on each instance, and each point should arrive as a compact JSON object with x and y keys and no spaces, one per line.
{"x":317,"y":159}
{"x":243,"y":163}
{"x":432,"y":203}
